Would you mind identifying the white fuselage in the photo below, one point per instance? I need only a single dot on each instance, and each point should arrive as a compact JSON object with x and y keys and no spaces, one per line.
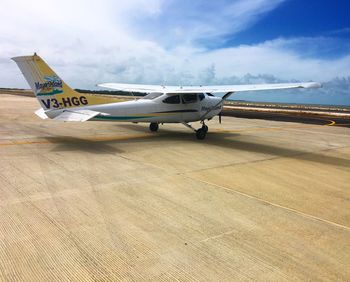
{"x":156,"y":110}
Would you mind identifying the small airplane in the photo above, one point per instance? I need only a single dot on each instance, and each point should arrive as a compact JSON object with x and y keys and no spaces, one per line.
{"x":162,"y":104}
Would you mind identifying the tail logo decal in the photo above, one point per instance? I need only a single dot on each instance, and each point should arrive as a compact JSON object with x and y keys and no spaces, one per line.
{"x":52,"y":86}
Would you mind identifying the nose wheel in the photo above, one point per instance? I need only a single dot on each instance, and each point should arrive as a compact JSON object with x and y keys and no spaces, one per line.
{"x":201,"y":133}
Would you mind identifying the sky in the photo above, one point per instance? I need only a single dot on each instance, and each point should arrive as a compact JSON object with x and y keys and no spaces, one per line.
{"x":181,"y":42}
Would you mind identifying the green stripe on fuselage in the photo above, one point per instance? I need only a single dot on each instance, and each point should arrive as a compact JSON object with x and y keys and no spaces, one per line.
{"x":121,"y":117}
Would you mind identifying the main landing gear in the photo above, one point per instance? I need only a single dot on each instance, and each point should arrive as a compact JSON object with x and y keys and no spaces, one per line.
{"x":201,"y":133}
{"x":153,"y":126}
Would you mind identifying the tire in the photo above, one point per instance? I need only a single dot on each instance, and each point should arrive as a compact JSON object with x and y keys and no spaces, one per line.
{"x":200,"y":134}
{"x":205,"y":128}
{"x":153,"y":127}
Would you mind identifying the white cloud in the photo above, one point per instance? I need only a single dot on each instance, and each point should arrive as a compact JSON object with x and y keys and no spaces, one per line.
{"x":88,"y":42}
{"x":188,"y":22}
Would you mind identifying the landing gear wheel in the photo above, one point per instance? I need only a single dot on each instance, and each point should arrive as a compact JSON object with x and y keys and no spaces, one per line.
{"x":153,"y":127}
{"x":201,"y":133}
{"x":205,"y":128}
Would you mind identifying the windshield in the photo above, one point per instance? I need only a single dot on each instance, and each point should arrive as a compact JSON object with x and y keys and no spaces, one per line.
{"x":152,"y":96}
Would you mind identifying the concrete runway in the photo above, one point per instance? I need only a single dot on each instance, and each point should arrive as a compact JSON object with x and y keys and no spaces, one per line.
{"x":256,"y":200}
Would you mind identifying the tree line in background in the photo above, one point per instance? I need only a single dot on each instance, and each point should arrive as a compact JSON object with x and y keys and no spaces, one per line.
{"x":108,"y":92}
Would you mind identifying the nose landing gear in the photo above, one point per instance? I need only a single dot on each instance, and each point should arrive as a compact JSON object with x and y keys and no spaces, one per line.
{"x":201,"y":133}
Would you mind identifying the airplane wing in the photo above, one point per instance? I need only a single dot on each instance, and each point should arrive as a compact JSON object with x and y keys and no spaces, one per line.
{"x":77,"y":115}
{"x":138,"y":88}
{"x":141,"y":88}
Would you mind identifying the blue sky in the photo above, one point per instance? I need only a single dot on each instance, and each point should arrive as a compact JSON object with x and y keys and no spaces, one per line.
{"x":309,"y":19}
{"x":185,"y":42}
{"x":300,"y":18}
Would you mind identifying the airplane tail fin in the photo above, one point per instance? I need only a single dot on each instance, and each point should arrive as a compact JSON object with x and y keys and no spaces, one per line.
{"x":47,"y":86}
{"x":51,"y":91}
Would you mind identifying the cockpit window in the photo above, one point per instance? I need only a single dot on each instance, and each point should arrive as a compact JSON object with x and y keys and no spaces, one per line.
{"x":175,"y":99}
{"x":189,"y":98}
{"x":152,"y":96}
{"x":201,"y":96}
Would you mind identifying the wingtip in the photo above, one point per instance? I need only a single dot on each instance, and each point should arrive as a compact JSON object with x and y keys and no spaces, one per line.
{"x":313,"y":85}
{"x":101,"y":84}
{"x":318,"y":85}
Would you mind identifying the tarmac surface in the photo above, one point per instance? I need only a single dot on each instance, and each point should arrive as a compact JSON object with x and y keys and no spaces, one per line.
{"x":289,"y":117}
{"x":256,"y":200}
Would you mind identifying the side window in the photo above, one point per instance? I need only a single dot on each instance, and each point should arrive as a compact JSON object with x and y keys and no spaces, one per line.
{"x":172,"y":100}
{"x":189,"y":98}
{"x":201,"y":96}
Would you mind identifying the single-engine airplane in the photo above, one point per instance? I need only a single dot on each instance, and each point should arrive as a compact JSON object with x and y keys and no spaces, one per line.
{"x":162,"y":104}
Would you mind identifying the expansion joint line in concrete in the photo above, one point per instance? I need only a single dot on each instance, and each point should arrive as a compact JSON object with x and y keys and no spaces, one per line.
{"x":259,"y":160}
{"x":309,"y":216}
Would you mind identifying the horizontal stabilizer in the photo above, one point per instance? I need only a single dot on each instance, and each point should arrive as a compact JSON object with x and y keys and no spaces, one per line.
{"x":41,"y":113}
{"x":77,"y":115}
